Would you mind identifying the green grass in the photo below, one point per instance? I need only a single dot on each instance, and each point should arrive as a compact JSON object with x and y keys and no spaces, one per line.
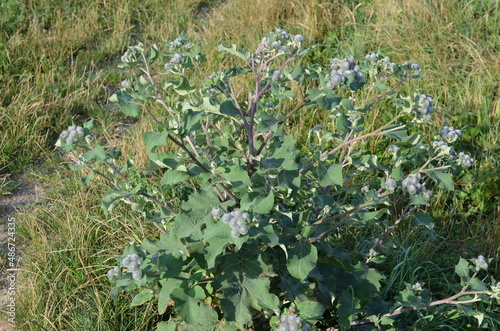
{"x":57,"y":62}
{"x":64,"y":282}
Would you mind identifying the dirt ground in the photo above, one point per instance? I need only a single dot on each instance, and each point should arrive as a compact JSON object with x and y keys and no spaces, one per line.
{"x":24,"y":194}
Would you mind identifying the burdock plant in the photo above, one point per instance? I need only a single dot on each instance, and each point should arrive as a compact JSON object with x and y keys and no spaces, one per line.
{"x":259,"y":224}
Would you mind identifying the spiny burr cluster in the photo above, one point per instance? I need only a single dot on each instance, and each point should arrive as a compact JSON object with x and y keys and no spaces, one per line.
{"x":412,"y":185}
{"x":115,"y":272}
{"x":340,"y":69}
{"x":133,"y":262}
{"x":282,"y":41}
{"x":450,"y":134}
{"x":390,"y":184}
{"x":423,"y":108}
{"x":465,"y":159}
{"x":236,"y":219}
{"x":481,"y":263}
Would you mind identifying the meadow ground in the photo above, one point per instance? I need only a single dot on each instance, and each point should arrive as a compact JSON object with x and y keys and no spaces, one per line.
{"x":58,"y":66}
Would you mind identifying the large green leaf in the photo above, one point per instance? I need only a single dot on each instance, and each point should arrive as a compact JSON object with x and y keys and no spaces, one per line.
{"x":127,"y":104}
{"x":209,"y":105}
{"x":113,"y":196}
{"x":131,"y":108}
{"x":266,"y":122}
{"x":216,"y":246}
{"x":245,"y":291}
{"x":167,"y":287}
{"x":142,"y":297}
{"x":329,"y":175}
{"x":237,"y":174}
{"x":444,"y":179}
{"x":418,"y":200}
{"x":217,"y":237}
{"x":228,"y":108}
{"x":257,"y":202}
{"x":181,"y":86}
{"x":289,"y":179}
{"x":423,"y":218}
{"x":478,"y":285}
{"x":343,"y":124}
{"x":195,"y":212}
{"x":161,"y":160}
{"x":345,"y":309}
{"x":170,"y":243}
{"x":98,"y":153}
{"x":241,"y":53}
{"x":326,"y":101}
{"x":368,"y":280}
{"x":172,"y":176}
{"x":191,"y":121}
{"x":154,"y":140}
{"x":302,"y":260}
{"x":166,"y":326}
{"x":380,"y":86}
{"x":293,"y":288}
{"x":397,"y":132}
{"x":87,"y":179}
{"x":462,"y":270}
{"x":310,"y":310}
{"x":297,"y":74}
{"x":286,"y":152}
{"x":170,"y":264}
{"x":190,"y":307}
{"x":347,"y":103}
{"x":373,"y":215}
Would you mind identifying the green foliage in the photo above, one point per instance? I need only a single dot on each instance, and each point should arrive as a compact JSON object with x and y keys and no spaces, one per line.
{"x":12,"y":15}
{"x":263,"y":228}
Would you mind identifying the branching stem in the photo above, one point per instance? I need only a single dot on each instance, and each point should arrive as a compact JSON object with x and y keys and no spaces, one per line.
{"x":347,"y":216}
{"x":449,"y":300}
{"x":379,"y":132}
{"x":380,"y":97}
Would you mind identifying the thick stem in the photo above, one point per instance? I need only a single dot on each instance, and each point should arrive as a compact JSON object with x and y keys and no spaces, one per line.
{"x":450,"y":300}
{"x":193,"y":146}
{"x":158,"y":226}
{"x":121,"y":175}
{"x":373,"y":133}
{"x":346,"y":143}
{"x":346,"y":213}
{"x":264,"y":143}
{"x":297,"y":107}
{"x":253,"y":102}
{"x":151,"y":114}
{"x":152,"y":198}
{"x":436,"y":168}
{"x":188,"y":152}
{"x":200,"y":70}
{"x":380,"y":97}
{"x":270,"y":134}
{"x":235,"y":101}
{"x":198,"y":163}
{"x":208,"y":140}
{"x":339,"y":224}
{"x":159,"y":97}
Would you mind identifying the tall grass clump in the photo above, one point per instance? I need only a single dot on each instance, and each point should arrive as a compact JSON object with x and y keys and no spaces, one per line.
{"x":57,"y":63}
